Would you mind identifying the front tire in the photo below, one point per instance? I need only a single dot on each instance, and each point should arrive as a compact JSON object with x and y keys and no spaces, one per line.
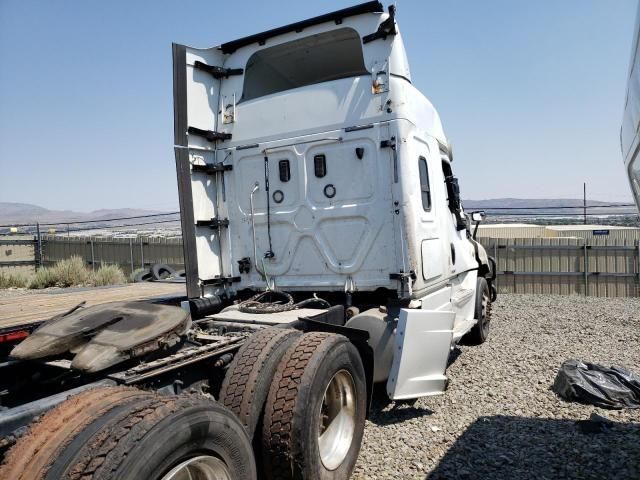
{"x":480,"y":331}
{"x":315,"y":412}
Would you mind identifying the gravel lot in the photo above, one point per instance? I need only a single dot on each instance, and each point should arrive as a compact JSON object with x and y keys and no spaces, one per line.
{"x":499,"y":419}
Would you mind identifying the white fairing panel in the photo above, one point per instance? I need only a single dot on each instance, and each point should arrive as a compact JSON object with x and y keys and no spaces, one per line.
{"x":630,"y":130}
{"x":423,"y":343}
{"x":325,"y":231}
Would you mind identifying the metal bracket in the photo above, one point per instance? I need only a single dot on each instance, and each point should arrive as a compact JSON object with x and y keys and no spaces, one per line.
{"x":386,"y":28}
{"x":213,"y":223}
{"x":209,"y":134}
{"x":211,"y":168}
{"x":217,"y":72}
{"x":403,"y":277}
{"x":244,"y":265}
{"x":389,"y":143}
{"x":220,"y":281}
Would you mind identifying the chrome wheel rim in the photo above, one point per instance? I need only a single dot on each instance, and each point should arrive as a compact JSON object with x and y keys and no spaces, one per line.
{"x":337,"y":420}
{"x":203,"y":467}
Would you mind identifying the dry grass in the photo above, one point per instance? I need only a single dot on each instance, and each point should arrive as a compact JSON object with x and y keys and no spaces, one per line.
{"x":13,"y":280}
{"x":70,"y":272}
{"x":108,"y":275}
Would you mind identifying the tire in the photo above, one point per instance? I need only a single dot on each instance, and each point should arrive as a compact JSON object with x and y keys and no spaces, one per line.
{"x":143,"y":276}
{"x":316,"y":364}
{"x":152,"y":438}
{"x":160,"y":271}
{"x":246,"y":384}
{"x":34,"y":455}
{"x":480,"y":331}
{"x":180,"y":273}
{"x":144,"y":437}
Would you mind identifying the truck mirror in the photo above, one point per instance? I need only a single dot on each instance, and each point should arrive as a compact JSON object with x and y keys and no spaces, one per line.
{"x":478,"y":216}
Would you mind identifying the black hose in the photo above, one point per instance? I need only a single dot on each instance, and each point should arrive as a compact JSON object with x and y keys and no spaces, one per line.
{"x":256,"y":304}
{"x":269,"y":253}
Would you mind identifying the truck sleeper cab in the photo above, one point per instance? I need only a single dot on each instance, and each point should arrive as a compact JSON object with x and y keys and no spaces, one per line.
{"x":309,"y":163}
{"x":326,"y":251}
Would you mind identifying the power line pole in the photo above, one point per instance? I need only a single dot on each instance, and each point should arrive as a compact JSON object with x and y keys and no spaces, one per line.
{"x":584,"y":201}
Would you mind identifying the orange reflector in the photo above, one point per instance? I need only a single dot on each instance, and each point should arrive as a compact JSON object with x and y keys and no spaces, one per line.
{"x":13,"y":336}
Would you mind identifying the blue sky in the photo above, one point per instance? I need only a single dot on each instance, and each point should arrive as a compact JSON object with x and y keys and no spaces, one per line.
{"x":531,"y":93}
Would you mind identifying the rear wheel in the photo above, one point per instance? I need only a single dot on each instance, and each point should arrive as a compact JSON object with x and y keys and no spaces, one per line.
{"x":248,"y":379}
{"x":150,"y":436}
{"x":35,"y":455}
{"x":315,"y":412}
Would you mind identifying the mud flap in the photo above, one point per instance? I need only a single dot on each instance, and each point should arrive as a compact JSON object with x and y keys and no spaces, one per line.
{"x":423,"y":343}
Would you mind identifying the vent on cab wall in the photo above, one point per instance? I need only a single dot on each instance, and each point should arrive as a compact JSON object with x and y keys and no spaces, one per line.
{"x":320,"y":165}
{"x":285,"y":170}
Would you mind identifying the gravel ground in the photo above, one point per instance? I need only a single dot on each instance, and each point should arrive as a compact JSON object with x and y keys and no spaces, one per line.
{"x":14,"y":292}
{"x":499,"y":419}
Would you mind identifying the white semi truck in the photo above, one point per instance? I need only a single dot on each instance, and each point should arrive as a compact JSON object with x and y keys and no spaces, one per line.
{"x":326,"y":251}
{"x":630,"y":130}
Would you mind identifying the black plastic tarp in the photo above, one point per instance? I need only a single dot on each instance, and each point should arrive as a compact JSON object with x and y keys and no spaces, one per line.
{"x":583,"y":382}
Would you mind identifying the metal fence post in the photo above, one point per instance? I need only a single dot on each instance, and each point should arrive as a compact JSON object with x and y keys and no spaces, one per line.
{"x":495,"y":257}
{"x":638,"y":268}
{"x":131,"y":253}
{"x":141,"y":253}
{"x":93,"y":256}
{"x":586,"y":270}
{"x":38,"y":252}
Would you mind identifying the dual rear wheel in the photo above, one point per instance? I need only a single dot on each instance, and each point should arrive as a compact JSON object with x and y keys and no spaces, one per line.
{"x":297,"y":400}
{"x":307,"y":414}
{"x":125,"y":433}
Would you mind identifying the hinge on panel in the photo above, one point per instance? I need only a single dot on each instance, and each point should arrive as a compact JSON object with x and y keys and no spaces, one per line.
{"x":213,"y":223}
{"x":209,"y":134}
{"x":211,"y":168}
{"x":217,"y":72}
{"x":388,"y":143}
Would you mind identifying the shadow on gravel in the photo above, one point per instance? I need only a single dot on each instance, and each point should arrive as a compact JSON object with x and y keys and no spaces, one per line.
{"x":399,"y":411}
{"x":502,"y":447}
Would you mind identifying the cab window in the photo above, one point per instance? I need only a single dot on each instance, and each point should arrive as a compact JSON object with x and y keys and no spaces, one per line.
{"x":425,"y":189}
{"x":313,"y":59}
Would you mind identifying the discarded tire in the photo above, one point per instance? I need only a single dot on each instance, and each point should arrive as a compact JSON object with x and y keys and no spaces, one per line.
{"x":480,"y":331}
{"x":160,"y":271}
{"x":249,"y":377}
{"x":315,"y":411}
{"x":143,"y":276}
{"x":150,"y":436}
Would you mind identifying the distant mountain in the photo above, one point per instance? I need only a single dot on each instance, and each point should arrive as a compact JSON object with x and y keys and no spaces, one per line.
{"x":20,"y":210}
{"x":26,"y":213}
{"x":546,"y":206}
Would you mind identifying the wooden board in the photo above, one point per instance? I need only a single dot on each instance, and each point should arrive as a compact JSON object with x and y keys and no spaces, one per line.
{"x":27,"y":308}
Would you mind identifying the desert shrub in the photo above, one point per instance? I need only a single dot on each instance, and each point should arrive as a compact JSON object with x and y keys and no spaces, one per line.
{"x":73,"y":272}
{"x":43,"y":278}
{"x":70,"y":272}
{"x":13,"y":280}
{"x":108,"y":275}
